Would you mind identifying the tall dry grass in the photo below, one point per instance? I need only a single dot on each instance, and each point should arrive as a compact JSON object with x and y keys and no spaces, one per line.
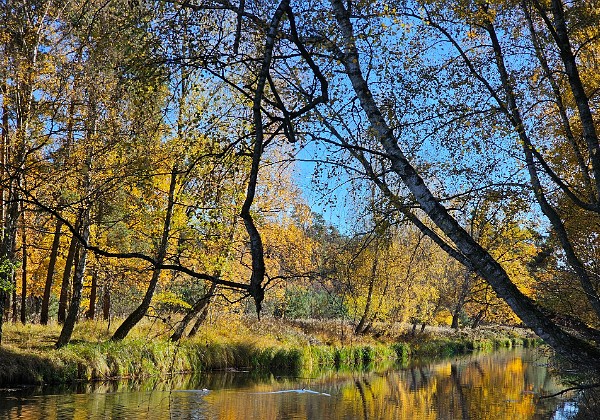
{"x":28,"y":355}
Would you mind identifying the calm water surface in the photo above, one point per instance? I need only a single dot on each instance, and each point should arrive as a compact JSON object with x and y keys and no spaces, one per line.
{"x":502,"y":385}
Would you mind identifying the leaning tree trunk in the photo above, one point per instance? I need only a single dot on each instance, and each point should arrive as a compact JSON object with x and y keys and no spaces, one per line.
{"x":73,"y":314}
{"x":362,"y":326}
{"x":199,"y":321}
{"x":66,"y":280}
{"x":478,"y":318}
{"x":560,"y":33}
{"x":198,"y":307}
{"x":135,"y":317}
{"x":50,"y":275}
{"x":71,"y":319}
{"x":483,"y":263}
{"x":549,"y":211}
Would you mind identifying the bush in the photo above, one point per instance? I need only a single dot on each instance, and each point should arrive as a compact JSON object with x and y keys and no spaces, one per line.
{"x":402,"y":351}
{"x":306,"y":303}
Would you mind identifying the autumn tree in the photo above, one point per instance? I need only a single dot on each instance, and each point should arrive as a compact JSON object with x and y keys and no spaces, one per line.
{"x":412,"y":130}
{"x":26,"y":33}
{"x":431,"y":103}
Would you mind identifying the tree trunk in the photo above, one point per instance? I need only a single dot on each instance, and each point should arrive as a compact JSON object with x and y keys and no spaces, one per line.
{"x":85,"y":211}
{"x":66,"y":280}
{"x":14,"y":303}
{"x":24,"y":94}
{"x":24,"y":277}
{"x":106,"y":303}
{"x":4,"y":140}
{"x":360,"y":328}
{"x":9,"y":295}
{"x":91,"y":312}
{"x":2,"y":299}
{"x":590,"y":135}
{"x":478,"y":319}
{"x":256,"y":289}
{"x":50,"y":275}
{"x":198,"y":307}
{"x":71,"y":319}
{"x":560,"y":104}
{"x":462,"y":297}
{"x":135,"y":317}
{"x":549,"y":211}
{"x":483,"y":263}
{"x":3,"y":219}
{"x":455,"y":315}
{"x":7,"y":257}
{"x":36,"y":305}
{"x":199,"y":321}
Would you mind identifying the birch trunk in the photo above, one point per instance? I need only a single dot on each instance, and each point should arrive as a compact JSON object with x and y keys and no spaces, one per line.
{"x":483,"y":263}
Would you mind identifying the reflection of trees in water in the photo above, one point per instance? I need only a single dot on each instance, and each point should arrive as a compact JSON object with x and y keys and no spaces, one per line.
{"x":418,"y":381}
{"x":458,"y":390}
{"x":578,"y":396}
{"x":589,"y":404}
{"x":503,"y":385}
{"x":363,"y":400}
{"x":478,"y":367}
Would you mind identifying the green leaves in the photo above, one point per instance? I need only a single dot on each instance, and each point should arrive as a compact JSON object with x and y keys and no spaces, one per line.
{"x":7,"y":269}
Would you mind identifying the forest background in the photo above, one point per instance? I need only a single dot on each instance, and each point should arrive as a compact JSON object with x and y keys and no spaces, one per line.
{"x":149,"y":152}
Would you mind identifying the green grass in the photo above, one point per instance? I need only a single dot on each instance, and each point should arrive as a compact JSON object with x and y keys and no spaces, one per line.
{"x":29,"y":356}
{"x":136,"y":358}
{"x":451,"y":347}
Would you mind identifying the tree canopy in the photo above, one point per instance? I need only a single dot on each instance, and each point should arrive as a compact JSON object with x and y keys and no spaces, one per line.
{"x":149,"y":154}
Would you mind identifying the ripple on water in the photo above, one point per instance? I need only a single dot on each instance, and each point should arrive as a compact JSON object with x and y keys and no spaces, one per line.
{"x":502,"y":385}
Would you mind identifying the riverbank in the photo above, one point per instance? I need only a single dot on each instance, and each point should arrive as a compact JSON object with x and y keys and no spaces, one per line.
{"x":28,"y":356}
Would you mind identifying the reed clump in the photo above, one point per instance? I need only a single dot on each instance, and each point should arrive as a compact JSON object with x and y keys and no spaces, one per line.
{"x":29,"y":357}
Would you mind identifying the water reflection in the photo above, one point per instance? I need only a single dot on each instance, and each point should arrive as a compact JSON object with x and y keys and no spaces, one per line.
{"x":503,"y":385}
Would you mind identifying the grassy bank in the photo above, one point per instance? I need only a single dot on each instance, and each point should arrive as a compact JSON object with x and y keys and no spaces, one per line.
{"x":465,"y":341}
{"x":138,"y":358}
{"x":28,"y":356}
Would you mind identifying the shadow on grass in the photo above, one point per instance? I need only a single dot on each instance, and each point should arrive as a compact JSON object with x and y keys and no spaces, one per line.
{"x":29,"y":369}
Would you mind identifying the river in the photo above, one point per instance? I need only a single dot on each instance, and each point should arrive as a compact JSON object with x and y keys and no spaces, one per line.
{"x":506,"y":384}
